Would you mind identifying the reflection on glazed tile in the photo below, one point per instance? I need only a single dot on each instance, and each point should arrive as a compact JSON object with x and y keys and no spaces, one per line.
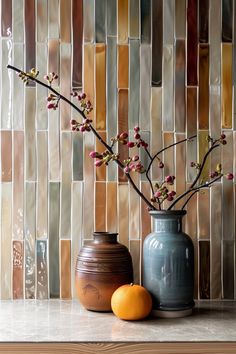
{"x":134,"y":214}
{"x":66,"y":177}
{"x":203,"y":14}
{"x":123,"y":19}
{"x":18,"y":185}
{"x":135,"y":254}
{"x":54,"y":147}
{"x":53,"y":236}
{"x":111,"y":18}
{"x":17,"y":269}
{"x":42,"y":270}
{"x":30,"y":141}
{"x":6,"y":18}
{"x":29,"y":22}
{"x":42,"y":186}
{"x":100,"y":87}
{"x":89,"y":24}
{"x":123,"y":66}
{"x":53,"y":19}
{"x":53,"y":56}
{"x":77,"y":32}
{"x":168,"y":88}
{"x":142,"y":153}
{"x":227,"y":79}
{"x":191,"y":130}
{"x":204,"y":214}
{"x":204,"y":269}
{"x":203,"y":105}
{"x":17,"y":90}
{"x":41,"y":92}
{"x":134,"y":82}
{"x":88,"y":72}
{"x":215,"y":111}
{"x":65,"y":269}
{"x":65,"y":21}
{"x":202,"y":149}
{"x":215,"y":244}
{"x":156,"y":129}
{"x":6,"y":156}
{"x":180,"y":104}
{"x":17,"y":20}
{"x":65,"y":84}
{"x":227,"y":20}
{"x":6,"y":244}
{"x":111,"y":82}
{"x":29,"y":227}
{"x":180,"y":163}
{"x":77,"y":140}
{"x":122,"y":127}
{"x":101,"y":171}
{"x":168,"y":21}
{"x":6,"y":77}
{"x":215,"y":40}
{"x":111,"y":203}
{"x":76,"y":226}
{"x":145,"y":21}
{"x":123,"y":212}
{"x":157,"y":41}
{"x":145,"y":217}
{"x":180,"y":18}
{"x":134,"y":8}
{"x":192,"y":40}
{"x":100,"y":206}
{"x":145,"y":86}
{"x":100,"y":21}
{"x":168,"y":139}
{"x":228,"y":269}
{"x":42,"y":21}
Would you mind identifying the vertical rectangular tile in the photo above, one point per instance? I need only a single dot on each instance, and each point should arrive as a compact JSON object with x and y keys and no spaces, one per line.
{"x":65,"y":269}
{"x":180,"y":104}
{"x":17,"y":20}
{"x":77,"y":33}
{"x":204,"y":269}
{"x":53,"y":145}
{"x":180,"y":19}
{"x":17,"y":269}
{"x":180,"y":164}
{"x":100,"y":86}
{"x":123,"y":8}
{"x":42,"y":186}
{"x":6,"y":84}
{"x":65,"y":21}
{"x":77,"y":142}
{"x":143,"y":155}
{"x":216,"y":236}
{"x":204,"y":214}
{"x":66,"y":178}
{"x":134,"y":16}
{"x":89,"y":24}
{"x":122,"y":127}
{"x":53,"y":56}
{"x":215,"y":111}
{"x":203,"y":146}
{"x":215,"y":41}
{"x":192,"y":43}
{"x":156,"y":129}
{"x":111,"y":207}
{"x":157,"y":41}
{"x":111,"y":22}
{"x":53,"y":19}
{"x":6,"y":18}
{"x":134,"y":82}
{"x":191,"y":130}
{"x":168,"y":22}
{"x":203,"y":103}
{"x":18,"y":185}
{"x":65,"y":84}
{"x":30,"y":140}
{"x":168,"y":139}
{"x":123,"y":66}
{"x":101,"y":171}
{"x":100,"y":21}
{"x":54,"y":217}
{"x":29,"y":232}
{"x":203,"y":16}
{"x":41,"y":92}
{"x":42,"y":21}
{"x":42,"y":269}
{"x":134,"y":214}
{"x":168,"y":88}
{"x":6,"y":156}
{"x":145,"y":217}
{"x":227,"y":20}
{"x":123,"y":214}
{"x":29,"y":21}
{"x":228,"y":269}
{"x":135,"y":254}
{"x":17,"y":90}
{"x":145,"y":87}
{"x":6,"y":242}
{"x":100,"y":206}
{"x":145,"y":21}
{"x":88,"y":72}
{"x":227,"y":79}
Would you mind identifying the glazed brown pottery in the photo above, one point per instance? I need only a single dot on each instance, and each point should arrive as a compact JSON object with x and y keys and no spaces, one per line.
{"x":102,"y":266}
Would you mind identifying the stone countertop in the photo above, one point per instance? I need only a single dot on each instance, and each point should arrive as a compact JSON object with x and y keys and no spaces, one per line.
{"x":67,"y":321}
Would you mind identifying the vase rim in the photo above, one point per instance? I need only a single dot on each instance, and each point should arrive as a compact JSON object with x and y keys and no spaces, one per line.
{"x":97,"y":233}
{"x":168,"y":212}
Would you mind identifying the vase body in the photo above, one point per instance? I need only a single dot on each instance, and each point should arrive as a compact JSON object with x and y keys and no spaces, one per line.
{"x":168,"y":263}
{"x":102,"y":266}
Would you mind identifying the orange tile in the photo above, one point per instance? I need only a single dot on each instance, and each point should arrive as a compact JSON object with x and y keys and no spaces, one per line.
{"x":65,"y":269}
{"x":203,"y":115}
{"x":123,"y":205}
{"x":202,"y":149}
{"x":204,"y":214}
{"x":123,"y":66}
{"x":100,"y":86}
{"x":17,"y":276}
{"x":6,"y":156}
{"x":101,"y":171}
{"x":123,"y":21}
{"x":88,"y":72}
{"x":65,"y":20}
{"x":226,"y":78}
{"x":180,"y":165}
{"x":122,"y":127}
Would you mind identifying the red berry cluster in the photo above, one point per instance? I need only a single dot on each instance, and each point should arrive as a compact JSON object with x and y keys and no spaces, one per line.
{"x":81,"y":127}
{"x":53,"y":101}
{"x":139,"y":142}
{"x":163,"y":192}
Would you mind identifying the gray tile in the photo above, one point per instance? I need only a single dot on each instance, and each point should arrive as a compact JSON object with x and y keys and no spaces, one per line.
{"x":18,"y":20}
{"x":42,"y":21}
{"x":100,"y":21}
{"x":54,"y":145}
{"x":89,"y":24}
{"x":134,"y":82}
{"x":42,"y":270}
{"x":145,"y":21}
{"x":145,"y":87}
{"x":6,"y":77}
{"x":18,"y":89}
{"x":41,"y":92}
{"x":168,"y":22}
{"x":111,"y":14}
{"x":168,"y":88}
{"x":215,"y":41}
{"x":145,"y":135}
{"x":134,"y":18}
{"x":180,"y":18}
{"x":77,"y":141}
{"x":53,"y":19}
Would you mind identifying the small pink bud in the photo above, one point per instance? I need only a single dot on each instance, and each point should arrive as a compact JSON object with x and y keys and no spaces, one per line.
{"x":192,"y":164}
{"x":229,"y":176}
{"x":73,"y":122}
{"x":169,"y":179}
{"x":170,"y":198}
{"x":135,"y":158}
{"x":98,"y":163}
{"x":123,"y":135}
{"x":136,"y":129}
{"x":161,"y":164}
{"x":130,"y":144}
{"x":82,"y":129}
{"x":223,"y":136}
{"x":157,"y":194}
{"x":83,"y":96}
{"x":79,"y":98}
{"x":55,"y":76}
{"x":46,"y":77}
{"x":212,"y":174}
{"x":50,"y":105}
{"x":93,"y":154}
{"x":126,"y":169}
{"x":224,"y":142}
{"x":137,"y":136}
{"x":172,"y":193}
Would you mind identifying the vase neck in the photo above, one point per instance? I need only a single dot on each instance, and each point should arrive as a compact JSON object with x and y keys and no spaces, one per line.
{"x":167,"y":224}
{"x":101,"y":237}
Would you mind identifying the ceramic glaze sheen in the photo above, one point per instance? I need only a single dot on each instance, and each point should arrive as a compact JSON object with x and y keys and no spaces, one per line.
{"x":168,"y":263}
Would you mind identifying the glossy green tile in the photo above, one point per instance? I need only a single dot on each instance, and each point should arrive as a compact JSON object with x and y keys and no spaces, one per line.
{"x":42,"y":270}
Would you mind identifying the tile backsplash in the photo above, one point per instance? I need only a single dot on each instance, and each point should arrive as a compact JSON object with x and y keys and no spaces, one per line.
{"x":168,"y":66}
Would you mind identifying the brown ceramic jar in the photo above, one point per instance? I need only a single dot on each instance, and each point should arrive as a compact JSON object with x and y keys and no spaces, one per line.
{"x":102,"y":266}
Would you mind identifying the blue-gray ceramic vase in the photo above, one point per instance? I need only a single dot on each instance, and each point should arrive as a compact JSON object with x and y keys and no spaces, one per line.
{"x":168,"y":264}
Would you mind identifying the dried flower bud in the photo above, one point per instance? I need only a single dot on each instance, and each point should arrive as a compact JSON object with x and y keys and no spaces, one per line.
{"x":137,"y":136}
{"x":123,"y":135}
{"x":73,"y":122}
{"x":82,"y":129}
{"x":98,"y":163}
{"x":130,"y":144}
{"x":136,"y":129}
{"x":172,"y":193}
{"x":223,"y":136}
{"x":169,"y":179}
{"x":83,"y":96}
{"x":161,"y":164}
{"x":50,"y":105}
{"x":169,"y":198}
{"x":224,"y":142}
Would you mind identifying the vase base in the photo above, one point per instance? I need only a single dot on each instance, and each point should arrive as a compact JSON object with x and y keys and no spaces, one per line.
{"x":171,"y":314}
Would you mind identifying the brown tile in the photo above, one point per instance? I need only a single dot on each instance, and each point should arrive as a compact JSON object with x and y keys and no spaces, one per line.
{"x":53,"y":56}
{"x":123,"y":21}
{"x":53,"y":18}
{"x":17,"y":272}
{"x":157,"y":40}
{"x":65,"y":84}
{"x":180,"y":161}
{"x":88,"y":73}
{"x":65,"y":269}
{"x":101,"y":171}
{"x":100,"y":87}
{"x":123,"y":66}
{"x":122,"y":127}
{"x":202,"y":149}
{"x":6,"y":13}
{"x":180,"y":104}
{"x":168,"y":139}
{"x":203,"y":15}
{"x":42,"y":270}
{"x":42,"y":21}
{"x":65,"y":21}
{"x":204,"y":214}
{"x":6,"y":156}
{"x":203,"y":104}
{"x":226,"y":78}
{"x":111,"y":203}
{"x":136,"y":258}
{"x":145,"y":217}
{"x":77,"y":31}
{"x":191,"y":130}
{"x":192,"y":40}
{"x":215,"y":39}
{"x":156,"y":129}
{"x":180,"y":18}
{"x":123,"y":213}
{"x":100,"y":206}
{"x":227,"y":20}
{"x":134,"y":214}
{"x":30,"y":36}
{"x":30,"y":134}
{"x":228,"y":269}
{"x":204,"y":269}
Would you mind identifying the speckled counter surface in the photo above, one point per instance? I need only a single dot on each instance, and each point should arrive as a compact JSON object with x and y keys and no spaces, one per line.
{"x":67,"y":321}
